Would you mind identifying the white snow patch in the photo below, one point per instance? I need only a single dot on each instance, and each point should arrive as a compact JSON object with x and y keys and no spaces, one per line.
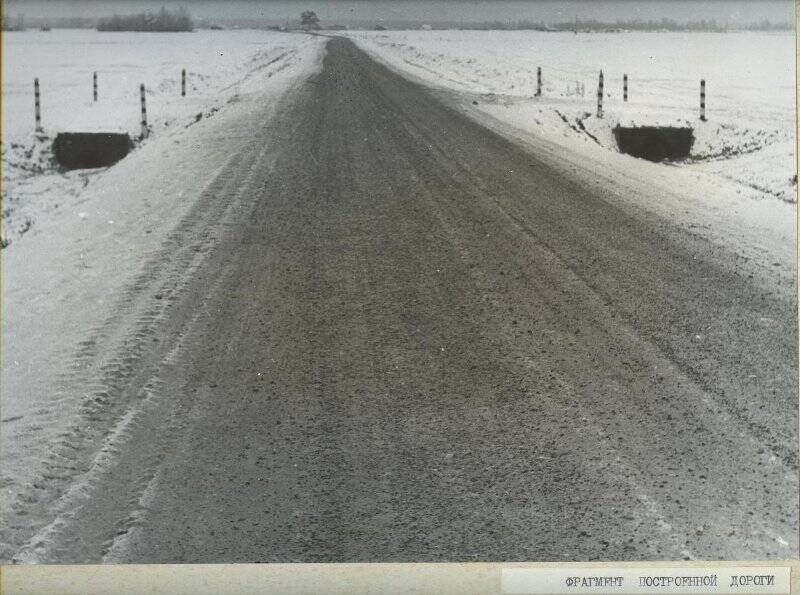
{"x":63,"y":277}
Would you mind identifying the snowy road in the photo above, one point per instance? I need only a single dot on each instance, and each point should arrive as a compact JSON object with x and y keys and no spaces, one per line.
{"x":414,"y":340}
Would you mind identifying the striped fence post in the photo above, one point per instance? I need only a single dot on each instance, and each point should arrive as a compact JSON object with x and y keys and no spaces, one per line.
{"x":703,"y":100}
{"x":600,"y":96}
{"x":624,"y":87}
{"x":144,"y":111}
{"x":37,"y":105}
{"x":183,"y":82}
{"x":94,"y":85}
{"x":538,"y":81}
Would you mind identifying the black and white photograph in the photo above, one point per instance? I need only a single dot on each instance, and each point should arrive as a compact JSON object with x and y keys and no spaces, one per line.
{"x":294,"y":281}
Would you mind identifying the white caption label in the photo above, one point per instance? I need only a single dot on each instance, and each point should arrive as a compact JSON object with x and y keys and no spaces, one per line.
{"x":742,"y":579}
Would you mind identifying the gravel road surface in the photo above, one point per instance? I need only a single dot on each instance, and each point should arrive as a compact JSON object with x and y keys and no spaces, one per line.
{"x":386,"y":333}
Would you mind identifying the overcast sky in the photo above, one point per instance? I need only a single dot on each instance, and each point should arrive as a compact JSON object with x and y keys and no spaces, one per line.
{"x":734,"y":12}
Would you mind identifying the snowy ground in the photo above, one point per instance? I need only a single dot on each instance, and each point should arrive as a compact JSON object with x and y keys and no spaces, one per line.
{"x":90,"y":232}
{"x":219,"y":65}
{"x":748,"y":138}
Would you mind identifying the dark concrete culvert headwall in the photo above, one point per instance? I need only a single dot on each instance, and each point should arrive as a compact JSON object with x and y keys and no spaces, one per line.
{"x":84,"y":150}
{"x":655,"y":143}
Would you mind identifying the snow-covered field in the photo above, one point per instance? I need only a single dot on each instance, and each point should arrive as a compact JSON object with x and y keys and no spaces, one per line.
{"x":749,"y":136}
{"x":219,"y":65}
{"x":91,"y":231}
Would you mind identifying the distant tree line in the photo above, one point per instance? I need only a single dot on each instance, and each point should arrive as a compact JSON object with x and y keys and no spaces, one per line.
{"x":664,"y":24}
{"x":767,"y":25}
{"x":524,"y":25}
{"x":619,"y":25}
{"x":639,"y":25}
{"x":164,"y":21}
{"x":180,"y":20}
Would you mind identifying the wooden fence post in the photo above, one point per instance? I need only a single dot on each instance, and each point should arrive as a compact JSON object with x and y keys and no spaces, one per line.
{"x":144,"y":111}
{"x":600,"y":96}
{"x":703,"y":100}
{"x":37,"y":105}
